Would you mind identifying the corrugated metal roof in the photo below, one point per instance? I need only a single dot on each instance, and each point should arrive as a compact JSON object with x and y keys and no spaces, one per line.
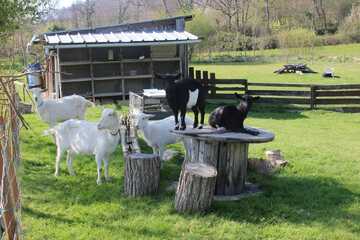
{"x":121,"y":37}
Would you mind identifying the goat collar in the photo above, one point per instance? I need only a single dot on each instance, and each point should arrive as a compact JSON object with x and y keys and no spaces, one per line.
{"x":116,"y":133}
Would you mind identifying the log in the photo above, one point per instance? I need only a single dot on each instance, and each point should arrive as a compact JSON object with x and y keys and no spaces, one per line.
{"x":232,"y":168}
{"x":142,"y":174}
{"x":196,"y":188}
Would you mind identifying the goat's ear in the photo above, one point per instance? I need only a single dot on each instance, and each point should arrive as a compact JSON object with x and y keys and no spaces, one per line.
{"x":238,"y":96}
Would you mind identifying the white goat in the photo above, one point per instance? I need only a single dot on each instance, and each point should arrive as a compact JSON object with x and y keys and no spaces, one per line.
{"x":157,"y":133}
{"x":53,"y":111}
{"x":82,"y":137}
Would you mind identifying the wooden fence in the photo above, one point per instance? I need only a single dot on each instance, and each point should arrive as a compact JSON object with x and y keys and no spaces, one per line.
{"x":280,"y":93}
{"x":10,"y":123}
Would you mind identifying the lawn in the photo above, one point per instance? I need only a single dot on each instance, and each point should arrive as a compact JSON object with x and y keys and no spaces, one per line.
{"x":316,"y":197}
{"x":348,"y":72}
{"x":337,"y":53}
{"x":321,"y":58}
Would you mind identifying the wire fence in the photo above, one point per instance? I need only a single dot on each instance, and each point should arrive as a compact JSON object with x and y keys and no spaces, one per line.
{"x":10,"y":123}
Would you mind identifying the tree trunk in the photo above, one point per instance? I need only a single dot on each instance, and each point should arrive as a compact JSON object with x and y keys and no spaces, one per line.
{"x":196,"y":188}
{"x":142,"y":174}
{"x":267,"y":11}
{"x":167,"y":12}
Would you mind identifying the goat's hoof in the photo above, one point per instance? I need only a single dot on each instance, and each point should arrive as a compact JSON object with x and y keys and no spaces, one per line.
{"x":108,"y":179}
{"x":72,"y":174}
{"x":56,"y":174}
{"x":200,"y":127}
{"x":195,"y":126}
{"x":98,"y":182}
{"x":176,"y":128}
{"x":183,"y":128}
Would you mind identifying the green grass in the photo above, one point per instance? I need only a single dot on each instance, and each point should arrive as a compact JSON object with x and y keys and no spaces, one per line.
{"x":316,"y":197}
{"x":339,"y":53}
{"x":348,"y":72}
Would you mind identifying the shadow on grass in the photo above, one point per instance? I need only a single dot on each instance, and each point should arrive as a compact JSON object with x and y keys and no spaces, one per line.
{"x":300,"y":200}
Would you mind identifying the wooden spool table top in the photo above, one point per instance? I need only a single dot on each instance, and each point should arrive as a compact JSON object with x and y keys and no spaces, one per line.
{"x":211,"y":134}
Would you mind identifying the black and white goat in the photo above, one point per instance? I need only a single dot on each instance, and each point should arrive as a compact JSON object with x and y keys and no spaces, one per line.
{"x":183,"y":95}
{"x":232,"y":117}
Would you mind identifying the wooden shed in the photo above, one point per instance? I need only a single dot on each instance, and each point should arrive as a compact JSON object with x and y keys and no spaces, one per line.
{"x":113,"y":60}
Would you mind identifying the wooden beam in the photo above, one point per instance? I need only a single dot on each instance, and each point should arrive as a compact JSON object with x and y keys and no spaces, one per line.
{"x":279,"y":84}
{"x":278,"y":93}
{"x":231,"y":81}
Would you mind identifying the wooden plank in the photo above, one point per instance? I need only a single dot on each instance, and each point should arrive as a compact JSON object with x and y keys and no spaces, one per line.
{"x":76,"y":80}
{"x":166,"y":59}
{"x":354,"y":93}
{"x":222,"y":96}
{"x":191,"y":73}
{"x":107,"y":78}
{"x":137,"y":76}
{"x":335,"y":101}
{"x":198,"y":75}
{"x":284,"y":100}
{"x":279,"y":84}
{"x":231,"y":81}
{"x":230,"y":88}
{"x":213,"y":83}
{"x":75,"y":63}
{"x":313,"y":97}
{"x":338,"y":86}
{"x":205,"y":80}
{"x":278,"y":93}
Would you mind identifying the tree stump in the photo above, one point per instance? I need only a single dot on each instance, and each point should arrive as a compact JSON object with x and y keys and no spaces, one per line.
{"x":142,"y":174}
{"x":196,"y":188}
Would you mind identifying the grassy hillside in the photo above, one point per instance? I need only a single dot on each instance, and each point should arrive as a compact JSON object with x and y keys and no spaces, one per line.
{"x":343,"y":59}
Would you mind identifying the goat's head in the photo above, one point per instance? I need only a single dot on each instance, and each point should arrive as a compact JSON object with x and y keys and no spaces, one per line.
{"x":140,"y":118}
{"x":246,"y":102}
{"x":109,"y":120}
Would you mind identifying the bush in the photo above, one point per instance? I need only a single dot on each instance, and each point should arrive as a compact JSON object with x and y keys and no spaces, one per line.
{"x":297,"y":38}
{"x":351,"y":25}
{"x":334,"y":39}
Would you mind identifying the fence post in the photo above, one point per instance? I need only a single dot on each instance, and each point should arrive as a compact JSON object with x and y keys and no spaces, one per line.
{"x":312,"y":97}
{"x":213,"y":84}
{"x":205,"y":79}
{"x":191,"y":72}
{"x":246,"y":86}
{"x":198,"y":75}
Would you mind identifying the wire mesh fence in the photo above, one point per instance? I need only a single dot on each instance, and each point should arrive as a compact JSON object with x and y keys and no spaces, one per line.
{"x":10,"y":123}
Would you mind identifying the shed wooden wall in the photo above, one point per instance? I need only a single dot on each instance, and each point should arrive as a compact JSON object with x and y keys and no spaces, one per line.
{"x":91,"y":73}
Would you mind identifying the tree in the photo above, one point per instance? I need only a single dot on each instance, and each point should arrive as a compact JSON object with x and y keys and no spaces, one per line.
{"x":13,"y":13}
{"x":320,"y":12}
{"x":122,"y":9}
{"x":186,"y":5}
{"x":166,"y":8}
{"x":226,"y":7}
{"x":89,"y":12}
{"x":242,"y":14}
